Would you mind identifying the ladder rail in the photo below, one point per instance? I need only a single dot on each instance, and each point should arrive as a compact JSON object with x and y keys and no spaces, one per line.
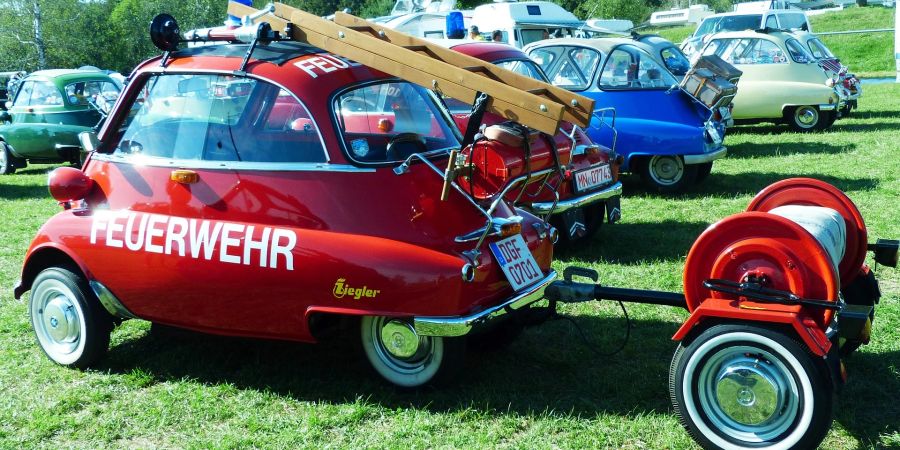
{"x":537,"y":112}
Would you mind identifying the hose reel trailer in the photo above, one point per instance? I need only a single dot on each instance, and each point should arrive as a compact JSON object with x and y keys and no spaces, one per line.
{"x":777,"y":295}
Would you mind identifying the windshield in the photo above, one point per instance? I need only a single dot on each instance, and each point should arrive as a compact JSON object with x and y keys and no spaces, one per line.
{"x":571,"y":68}
{"x":818,"y":49}
{"x":385,"y":122}
{"x":629,"y":67}
{"x":729,"y":23}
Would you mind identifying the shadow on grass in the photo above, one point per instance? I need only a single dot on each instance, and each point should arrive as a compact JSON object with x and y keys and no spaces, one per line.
{"x":849,"y":127}
{"x":637,"y":243}
{"x":874,"y":115}
{"x":19,"y":192}
{"x":547,"y":370}
{"x":37,"y":169}
{"x":750,"y":150}
{"x":745,"y":183}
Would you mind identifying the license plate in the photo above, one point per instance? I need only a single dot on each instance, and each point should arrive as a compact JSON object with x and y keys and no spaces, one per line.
{"x":516,"y":261}
{"x":592,"y":177}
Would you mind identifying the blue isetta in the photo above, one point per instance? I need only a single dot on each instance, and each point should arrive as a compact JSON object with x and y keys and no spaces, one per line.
{"x":663,"y":133}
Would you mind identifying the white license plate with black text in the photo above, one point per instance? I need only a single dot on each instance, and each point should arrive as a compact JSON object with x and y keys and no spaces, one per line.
{"x":516,"y":261}
{"x":592,"y":177}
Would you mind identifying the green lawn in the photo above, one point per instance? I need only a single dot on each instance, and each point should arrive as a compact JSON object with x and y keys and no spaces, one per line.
{"x":867,"y":55}
{"x":547,"y":390}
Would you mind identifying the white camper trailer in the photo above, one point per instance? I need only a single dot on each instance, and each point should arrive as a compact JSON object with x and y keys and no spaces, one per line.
{"x":683,"y":16}
{"x":525,"y":22}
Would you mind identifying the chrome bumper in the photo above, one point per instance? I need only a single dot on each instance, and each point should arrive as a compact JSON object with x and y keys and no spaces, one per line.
{"x":577,"y":202}
{"x":451,"y":326}
{"x":832,"y":106}
{"x":706,"y":157}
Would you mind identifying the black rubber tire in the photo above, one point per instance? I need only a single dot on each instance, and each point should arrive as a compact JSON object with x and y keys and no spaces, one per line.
{"x":805,"y":419}
{"x":828,"y":119}
{"x":7,"y":160}
{"x":678,"y":176}
{"x":703,"y":171}
{"x":439,"y":364}
{"x":794,"y":117}
{"x":65,"y":286}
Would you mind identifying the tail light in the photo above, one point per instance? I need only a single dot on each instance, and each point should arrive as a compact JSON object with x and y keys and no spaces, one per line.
{"x":717,"y":116}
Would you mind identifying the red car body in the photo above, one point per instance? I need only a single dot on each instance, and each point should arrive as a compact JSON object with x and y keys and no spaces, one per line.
{"x":259,"y":248}
{"x":599,"y":200}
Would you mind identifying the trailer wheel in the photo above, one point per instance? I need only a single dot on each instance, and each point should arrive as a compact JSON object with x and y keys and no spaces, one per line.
{"x":71,"y":326}
{"x":746,"y":386}
{"x":406,"y":359}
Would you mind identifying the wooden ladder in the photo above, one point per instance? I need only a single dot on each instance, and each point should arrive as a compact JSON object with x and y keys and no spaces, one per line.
{"x":516,"y":97}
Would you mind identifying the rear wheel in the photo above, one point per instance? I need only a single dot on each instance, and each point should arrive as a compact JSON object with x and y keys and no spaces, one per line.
{"x":668,"y":173}
{"x":804,"y":118}
{"x":71,"y":326}
{"x":406,"y":359}
{"x":746,"y":386}
{"x":7,"y":161}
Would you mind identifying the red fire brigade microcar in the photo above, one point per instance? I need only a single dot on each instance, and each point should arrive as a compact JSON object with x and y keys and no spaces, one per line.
{"x":278,"y":185}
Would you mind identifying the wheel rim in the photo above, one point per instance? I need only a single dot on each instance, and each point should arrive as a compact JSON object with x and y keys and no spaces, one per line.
{"x":666,"y":170}
{"x":58,"y":321}
{"x":3,"y":158}
{"x":806,"y":116}
{"x":397,"y":346}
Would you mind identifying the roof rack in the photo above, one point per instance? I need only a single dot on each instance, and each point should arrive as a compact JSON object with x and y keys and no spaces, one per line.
{"x":516,"y":97}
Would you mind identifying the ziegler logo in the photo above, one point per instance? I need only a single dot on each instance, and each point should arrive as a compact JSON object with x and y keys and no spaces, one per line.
{"x":341,"y":290}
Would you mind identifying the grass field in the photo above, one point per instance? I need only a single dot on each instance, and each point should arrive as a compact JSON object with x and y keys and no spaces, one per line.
{"x":547,"y":390}
{"x":867,"y":55}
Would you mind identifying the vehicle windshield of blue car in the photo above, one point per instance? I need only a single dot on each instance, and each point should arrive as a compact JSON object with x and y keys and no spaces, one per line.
{"x":629,"y":67}
{"x":746,"y":51}
{"x":80,"y":92}
{"x":568,"y":67}
{"x":798,"y":52}
{"x":386,"y":122}
{"x":205,"y":120}
{"x":818,"y":49}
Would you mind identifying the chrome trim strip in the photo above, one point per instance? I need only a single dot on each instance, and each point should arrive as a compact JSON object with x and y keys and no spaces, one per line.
{"x":706,"y":157}
{"x":830,"y":106}
{"x":452,"y":326}
{"x":229,"y":165}
{"x":110,"y":302}
{"x":577,"y":202}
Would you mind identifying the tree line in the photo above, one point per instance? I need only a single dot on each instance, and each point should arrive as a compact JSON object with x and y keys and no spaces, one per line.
{"x":113,"y":34}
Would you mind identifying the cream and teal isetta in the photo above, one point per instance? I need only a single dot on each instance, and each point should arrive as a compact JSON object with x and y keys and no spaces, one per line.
{"x":781,"y":81}
{"x":49,"y":110}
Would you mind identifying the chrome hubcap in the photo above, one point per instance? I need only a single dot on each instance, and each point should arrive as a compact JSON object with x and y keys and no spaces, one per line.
{"x":56,"y":319}
{"x":400,"y":339}
{"x":748,"y":393}
{"x":666,"y":170}
{"x":807,"y":116}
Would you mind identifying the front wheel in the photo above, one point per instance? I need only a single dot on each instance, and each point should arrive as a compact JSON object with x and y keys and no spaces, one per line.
{"x":71,"y":326}
{"x":406,"y":359}
{"x":747,"y":386}
{"x":668,"y":173}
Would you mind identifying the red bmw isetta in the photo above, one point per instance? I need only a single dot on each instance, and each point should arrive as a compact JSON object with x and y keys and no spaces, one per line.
{"x":274,"y":186}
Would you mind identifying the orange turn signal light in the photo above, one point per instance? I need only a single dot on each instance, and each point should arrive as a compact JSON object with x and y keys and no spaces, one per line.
{"x":385,"y":125}
{"x":184,"y":176}
{"x":510,"y":229}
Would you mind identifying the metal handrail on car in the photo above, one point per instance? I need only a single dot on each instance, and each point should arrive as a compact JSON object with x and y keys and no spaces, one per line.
{"x":600,"y":115}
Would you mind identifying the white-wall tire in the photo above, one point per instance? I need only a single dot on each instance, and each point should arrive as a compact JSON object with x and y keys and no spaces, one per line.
{"x":435,"y":358}
{"x":70,"y":325}
{"x":747,"y":386}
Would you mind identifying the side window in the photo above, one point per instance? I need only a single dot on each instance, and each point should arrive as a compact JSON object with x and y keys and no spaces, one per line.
{"x":219,"y":118}
{"x":751,"y":51}
{"x":771,"y":22}
{"x":675,"y":61}
{"x":45,"y":94}
{"x":619,"y":71}
{"x":79,"y":93}
{"x":388,"y":121}
{"x":23,"y":97}
{"x":798,"y":53}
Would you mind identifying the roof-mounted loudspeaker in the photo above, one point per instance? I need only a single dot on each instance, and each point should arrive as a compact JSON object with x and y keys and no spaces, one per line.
{"x":164,"y":32}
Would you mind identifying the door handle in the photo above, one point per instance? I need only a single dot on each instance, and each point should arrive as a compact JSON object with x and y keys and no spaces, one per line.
{"x":184,"y":176}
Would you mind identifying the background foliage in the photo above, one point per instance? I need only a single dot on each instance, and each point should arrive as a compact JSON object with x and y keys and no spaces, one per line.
{"x":112,"y":34}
